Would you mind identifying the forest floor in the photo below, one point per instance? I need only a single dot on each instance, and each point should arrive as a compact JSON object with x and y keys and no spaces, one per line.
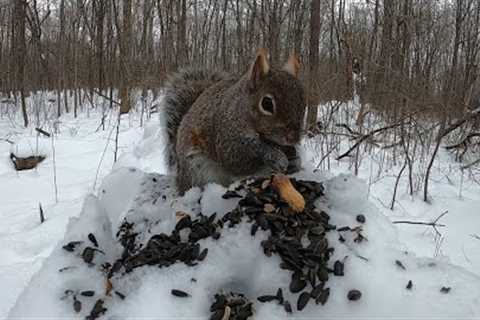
{"x":84,"y":155}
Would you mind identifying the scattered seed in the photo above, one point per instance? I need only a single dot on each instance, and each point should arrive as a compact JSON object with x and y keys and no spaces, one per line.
{"x":77,"y":305}
{"x":445,"y":290}
{"x":361,"y":218}
{"x":400,"y":264}
{"x":67,"y":268}
{"x":303,"y":300}
{"x":88,"y":293}
{"x":266,"y":298}
{"x":323,"y":297}
{"x":409,"y":285}
{"x":97,"y":310}
{"x":203,"y":254}
{"x":297,"y":284}
{"x":179,"y":293}
{"x":70,"y":247}
{"x":338,"y":268}
{"x":120,"y":295}
{"x":231,"y":194}
{"x":316,"y":291}
{"x":88,"y":255}
{"x":92,"y":239}
{"x":287,"y":307}
{"x":354,"y":295}
{"x":280,"y":296}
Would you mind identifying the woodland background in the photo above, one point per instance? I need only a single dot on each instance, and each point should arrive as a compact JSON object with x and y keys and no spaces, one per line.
{"x":411,"y":54}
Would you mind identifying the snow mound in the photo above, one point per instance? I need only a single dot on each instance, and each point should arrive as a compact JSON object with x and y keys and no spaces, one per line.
{"x":377,"y":266}
{"x":32,"y":146}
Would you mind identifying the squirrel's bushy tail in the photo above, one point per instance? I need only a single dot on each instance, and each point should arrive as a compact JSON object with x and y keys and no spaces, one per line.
{"x":181,"y":91}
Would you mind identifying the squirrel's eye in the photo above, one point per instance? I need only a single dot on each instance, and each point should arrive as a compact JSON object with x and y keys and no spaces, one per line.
{"x":267,"y":106}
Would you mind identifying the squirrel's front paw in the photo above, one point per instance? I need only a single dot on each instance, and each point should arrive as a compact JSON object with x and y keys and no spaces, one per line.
{"x":277,"y":161}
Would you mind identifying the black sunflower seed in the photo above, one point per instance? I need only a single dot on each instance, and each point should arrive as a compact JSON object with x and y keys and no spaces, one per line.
{"x":231,"y":194}
{"x":120,"y":295}
{"x":254,"y":229}
{"x":338,"y":268}
{"x":409,"y":285}
{"x":354,"y":295}
{"x":267,"y":298}
{"x":92,"y":239}
{"x":203,"y":254}
{"x":279,"y":296}
{"x":183,"y":223}
{"x":179,"y":293}
{"x":88,"y":293}
{"x":322,"y":274}
{"x":88,"y":254}
{"x":317,"y":291}
{"x":297,"y":284}
{"x":77,"y":305}
{"x":70,"y":247}
{"x":323,"y":296}
{"x":361,"y":218}
{"x":303,"y":300}
{"x":400,"y":264}
{"x":287,"y":306}
{"x":97,"y":310}
{"x":445,"y":289}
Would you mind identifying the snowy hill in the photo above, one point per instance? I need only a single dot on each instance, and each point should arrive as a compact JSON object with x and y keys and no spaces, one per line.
{"x":379,"y":266}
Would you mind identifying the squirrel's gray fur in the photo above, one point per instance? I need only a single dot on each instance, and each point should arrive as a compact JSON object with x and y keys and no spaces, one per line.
{"x":220,"y":127}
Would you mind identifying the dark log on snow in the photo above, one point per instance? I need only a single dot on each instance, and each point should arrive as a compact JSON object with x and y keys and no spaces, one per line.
{"x":25,"y":163}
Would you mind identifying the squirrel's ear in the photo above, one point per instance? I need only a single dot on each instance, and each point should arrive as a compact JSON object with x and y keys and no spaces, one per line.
{"x":293,"y":65}
{"x":260,"y":67}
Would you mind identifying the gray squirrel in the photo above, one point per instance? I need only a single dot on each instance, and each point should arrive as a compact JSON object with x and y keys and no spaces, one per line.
{"x":222,"y":128}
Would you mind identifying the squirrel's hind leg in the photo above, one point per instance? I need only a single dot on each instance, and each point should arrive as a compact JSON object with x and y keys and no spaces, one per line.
{"x":198,"y":170}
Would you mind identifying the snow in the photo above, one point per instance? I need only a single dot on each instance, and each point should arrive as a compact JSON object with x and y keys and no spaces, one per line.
{"x":95,"y":195}
{"x":236,"y":262}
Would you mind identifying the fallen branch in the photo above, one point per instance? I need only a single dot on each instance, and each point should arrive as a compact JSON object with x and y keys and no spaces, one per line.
{"x":434,"y":224}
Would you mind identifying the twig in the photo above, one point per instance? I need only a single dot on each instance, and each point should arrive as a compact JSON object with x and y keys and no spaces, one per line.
{"x":419,"y":222}
{"x":108,"y":98}
{"x":475,"y":236}
{"x":54,"y":169}
{"x":434,"y":224}
{"x":103,"y":156}
{"x":41,"y":131}
{"x":471,"y":164}
{"x":366,"y":136}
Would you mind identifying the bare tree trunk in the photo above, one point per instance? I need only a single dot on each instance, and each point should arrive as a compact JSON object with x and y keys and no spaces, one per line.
{"x":19,"y":51}
{"x":313,"y":61}
{"x":125,"y":44}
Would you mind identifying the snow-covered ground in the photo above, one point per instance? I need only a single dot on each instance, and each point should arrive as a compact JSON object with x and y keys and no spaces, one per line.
{"x":83,"y":158}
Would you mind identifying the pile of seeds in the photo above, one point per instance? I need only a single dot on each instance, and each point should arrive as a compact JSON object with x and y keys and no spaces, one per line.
{"x":164,"y":250}
{"x":233,"y":306}
{"x":298,"y":238}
